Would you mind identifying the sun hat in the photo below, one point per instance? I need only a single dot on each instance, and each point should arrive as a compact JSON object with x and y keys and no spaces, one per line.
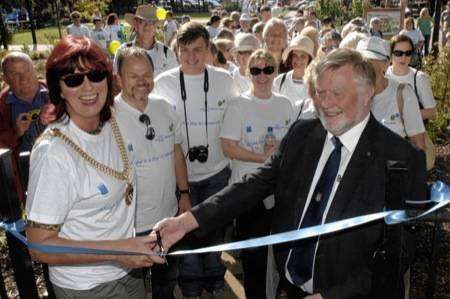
{"x":145,"y":12}
{"x":245,"y":17}
{"x":245,"y":42}
{"x":374,"y":48}
{"x":302,"y":43}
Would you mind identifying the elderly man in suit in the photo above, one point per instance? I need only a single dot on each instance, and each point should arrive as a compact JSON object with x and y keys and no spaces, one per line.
{"x":325,"y":170}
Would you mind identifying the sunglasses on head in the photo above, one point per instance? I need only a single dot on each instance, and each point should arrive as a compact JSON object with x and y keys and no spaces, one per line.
{"x":74,"y":80}
{"x":399,"y":53}
{"x":268,"y":70}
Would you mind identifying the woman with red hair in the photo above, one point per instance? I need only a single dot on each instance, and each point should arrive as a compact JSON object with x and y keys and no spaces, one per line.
{"x":81,"y":182}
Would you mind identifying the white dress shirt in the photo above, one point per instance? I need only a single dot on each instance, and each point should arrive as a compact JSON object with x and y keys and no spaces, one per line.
{"x":349,"y":141}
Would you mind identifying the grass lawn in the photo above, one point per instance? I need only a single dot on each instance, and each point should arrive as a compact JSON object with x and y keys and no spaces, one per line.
{"x":50,"y":35}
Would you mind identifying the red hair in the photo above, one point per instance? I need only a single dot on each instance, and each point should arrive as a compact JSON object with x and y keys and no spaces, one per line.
{"x":71,"y":53}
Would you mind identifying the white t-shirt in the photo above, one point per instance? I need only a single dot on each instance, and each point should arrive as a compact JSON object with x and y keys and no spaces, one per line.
{"x":386,"y":111}
{"x":81,"y":30}
{"x":99,"y":36}
{"x":297,"y":93}
{"x":112,"y":32}
{"x":415,"y":35}
{"x":213,"y":31}
{"x":242,"y":83}
{"x":247,"y":120}
{"x":423,"y":85}
{"x":221,"y":90}
{"x":89,"y":205}
{"x":161,"y":61}
{"x":154,"y":160}
{"x":170,"y":27}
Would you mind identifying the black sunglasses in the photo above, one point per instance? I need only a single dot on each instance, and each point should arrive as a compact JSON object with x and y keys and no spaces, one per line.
{"x":399,"y":53}
{"x":75,"y":80}
{"x":150,"y":134}
{"x":268,"y":70}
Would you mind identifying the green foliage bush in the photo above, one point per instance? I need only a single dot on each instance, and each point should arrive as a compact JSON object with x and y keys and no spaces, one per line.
{"x":88,"y":7}
{"x":438,"y":68}
{"x":335,"y":9}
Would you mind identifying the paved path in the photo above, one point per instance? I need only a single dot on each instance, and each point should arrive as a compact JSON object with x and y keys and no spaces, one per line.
{"x":39,"y":48}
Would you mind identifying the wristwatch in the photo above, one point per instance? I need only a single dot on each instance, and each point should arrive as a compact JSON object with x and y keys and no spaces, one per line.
{"x":183,"y":191}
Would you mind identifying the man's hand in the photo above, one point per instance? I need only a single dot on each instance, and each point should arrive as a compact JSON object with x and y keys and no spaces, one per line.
{"x":314,"y":296}
{"x":48,"y":114}
{"x":184,"y":204}
{"x":22,"y":123}
{"x":174,"y":228}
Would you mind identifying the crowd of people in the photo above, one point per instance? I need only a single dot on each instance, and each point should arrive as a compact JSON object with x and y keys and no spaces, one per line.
{"x":264,"y":123}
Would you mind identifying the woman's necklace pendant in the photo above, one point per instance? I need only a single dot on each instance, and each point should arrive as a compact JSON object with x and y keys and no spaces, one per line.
{"x":129,"y":194}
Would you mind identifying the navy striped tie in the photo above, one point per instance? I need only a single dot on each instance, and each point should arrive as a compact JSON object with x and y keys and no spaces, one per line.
{"x":300,"y":262}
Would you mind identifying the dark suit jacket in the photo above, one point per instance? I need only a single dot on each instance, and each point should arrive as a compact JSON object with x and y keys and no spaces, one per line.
{"x":344,"y":260}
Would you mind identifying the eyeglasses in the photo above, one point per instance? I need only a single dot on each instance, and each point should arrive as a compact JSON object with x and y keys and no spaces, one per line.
{"x":399,"y":53}
{"x":268,"y":70}
{"x":75,"y":17}
{"x":150,"y":134}
{"x":75,"y":80}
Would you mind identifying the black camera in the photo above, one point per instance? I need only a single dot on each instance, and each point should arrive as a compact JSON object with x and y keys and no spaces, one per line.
{"x":199,"y":153}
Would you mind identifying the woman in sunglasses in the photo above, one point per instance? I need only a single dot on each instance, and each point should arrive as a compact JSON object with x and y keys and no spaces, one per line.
{"x":80,"y":191}
{"x":297,"y":57}
{"x":390,"y":95}
{"x":402,"y":49}
{"x":253,"y":125}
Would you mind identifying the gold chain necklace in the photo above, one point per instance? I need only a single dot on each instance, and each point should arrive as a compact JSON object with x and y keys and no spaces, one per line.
{"x":122,"y":176}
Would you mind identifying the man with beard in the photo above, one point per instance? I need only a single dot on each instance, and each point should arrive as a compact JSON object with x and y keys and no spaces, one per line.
{"x":152,"y":134}
{"x":325,"y":170}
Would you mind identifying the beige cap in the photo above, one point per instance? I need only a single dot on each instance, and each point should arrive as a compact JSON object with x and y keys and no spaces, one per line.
{"x":302,"y":43}
{"x":146,"y":12}
{"x":245,"y":42}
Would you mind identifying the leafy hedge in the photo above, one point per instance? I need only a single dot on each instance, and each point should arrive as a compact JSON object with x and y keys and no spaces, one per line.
{"x":438,"y":68}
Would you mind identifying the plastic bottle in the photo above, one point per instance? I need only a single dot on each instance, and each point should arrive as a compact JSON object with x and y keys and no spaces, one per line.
{"x":270,"y":139}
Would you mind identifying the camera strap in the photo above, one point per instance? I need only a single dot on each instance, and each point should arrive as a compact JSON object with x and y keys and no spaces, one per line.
{"x":184,"y":97}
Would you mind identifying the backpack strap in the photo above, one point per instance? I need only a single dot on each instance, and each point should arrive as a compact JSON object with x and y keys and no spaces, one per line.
{"x":401,"y":102}
{"x":282,"y":81}
{"x":165,"y":49}
{"x":415,"y":89}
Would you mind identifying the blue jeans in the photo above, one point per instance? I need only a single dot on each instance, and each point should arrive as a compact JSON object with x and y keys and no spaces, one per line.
{"x":204,"y":271}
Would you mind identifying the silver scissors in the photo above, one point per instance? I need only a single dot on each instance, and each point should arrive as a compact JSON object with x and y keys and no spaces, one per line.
{"x":162,"y":252}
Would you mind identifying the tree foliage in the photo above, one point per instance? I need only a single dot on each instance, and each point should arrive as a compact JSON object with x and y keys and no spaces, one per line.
{"x":438,"y":68}
{"x":88,"y":7}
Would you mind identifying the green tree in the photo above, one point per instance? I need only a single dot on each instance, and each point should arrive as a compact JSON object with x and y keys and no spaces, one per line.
{"x":88,"y":7}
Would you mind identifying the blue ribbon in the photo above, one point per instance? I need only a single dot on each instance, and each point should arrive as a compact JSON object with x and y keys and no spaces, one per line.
{"x":440,"y":197}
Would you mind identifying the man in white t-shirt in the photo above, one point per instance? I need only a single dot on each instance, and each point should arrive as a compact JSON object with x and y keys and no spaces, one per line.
{"x":199,"y":94}
{"x":152,"y":132}
{"x":76,"y":28}
{"x":145,"y":23}
{"x":405,"y":121}
{"x":170,"y":28}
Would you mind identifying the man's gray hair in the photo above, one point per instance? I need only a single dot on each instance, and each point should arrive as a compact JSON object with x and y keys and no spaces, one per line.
{"x":364,"y":73}
{"x":13,"y":57}
{"x":272,"y":23}
{"x":131,"y":51}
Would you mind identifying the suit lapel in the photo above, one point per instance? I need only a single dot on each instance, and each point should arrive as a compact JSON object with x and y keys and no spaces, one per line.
{"x":361,"y":160}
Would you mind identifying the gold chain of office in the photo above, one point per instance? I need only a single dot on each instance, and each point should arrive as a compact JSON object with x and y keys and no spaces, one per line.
{"x":122,"y":175}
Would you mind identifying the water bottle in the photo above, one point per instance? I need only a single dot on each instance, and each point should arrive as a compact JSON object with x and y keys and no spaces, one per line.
{"x":270,"y":139}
